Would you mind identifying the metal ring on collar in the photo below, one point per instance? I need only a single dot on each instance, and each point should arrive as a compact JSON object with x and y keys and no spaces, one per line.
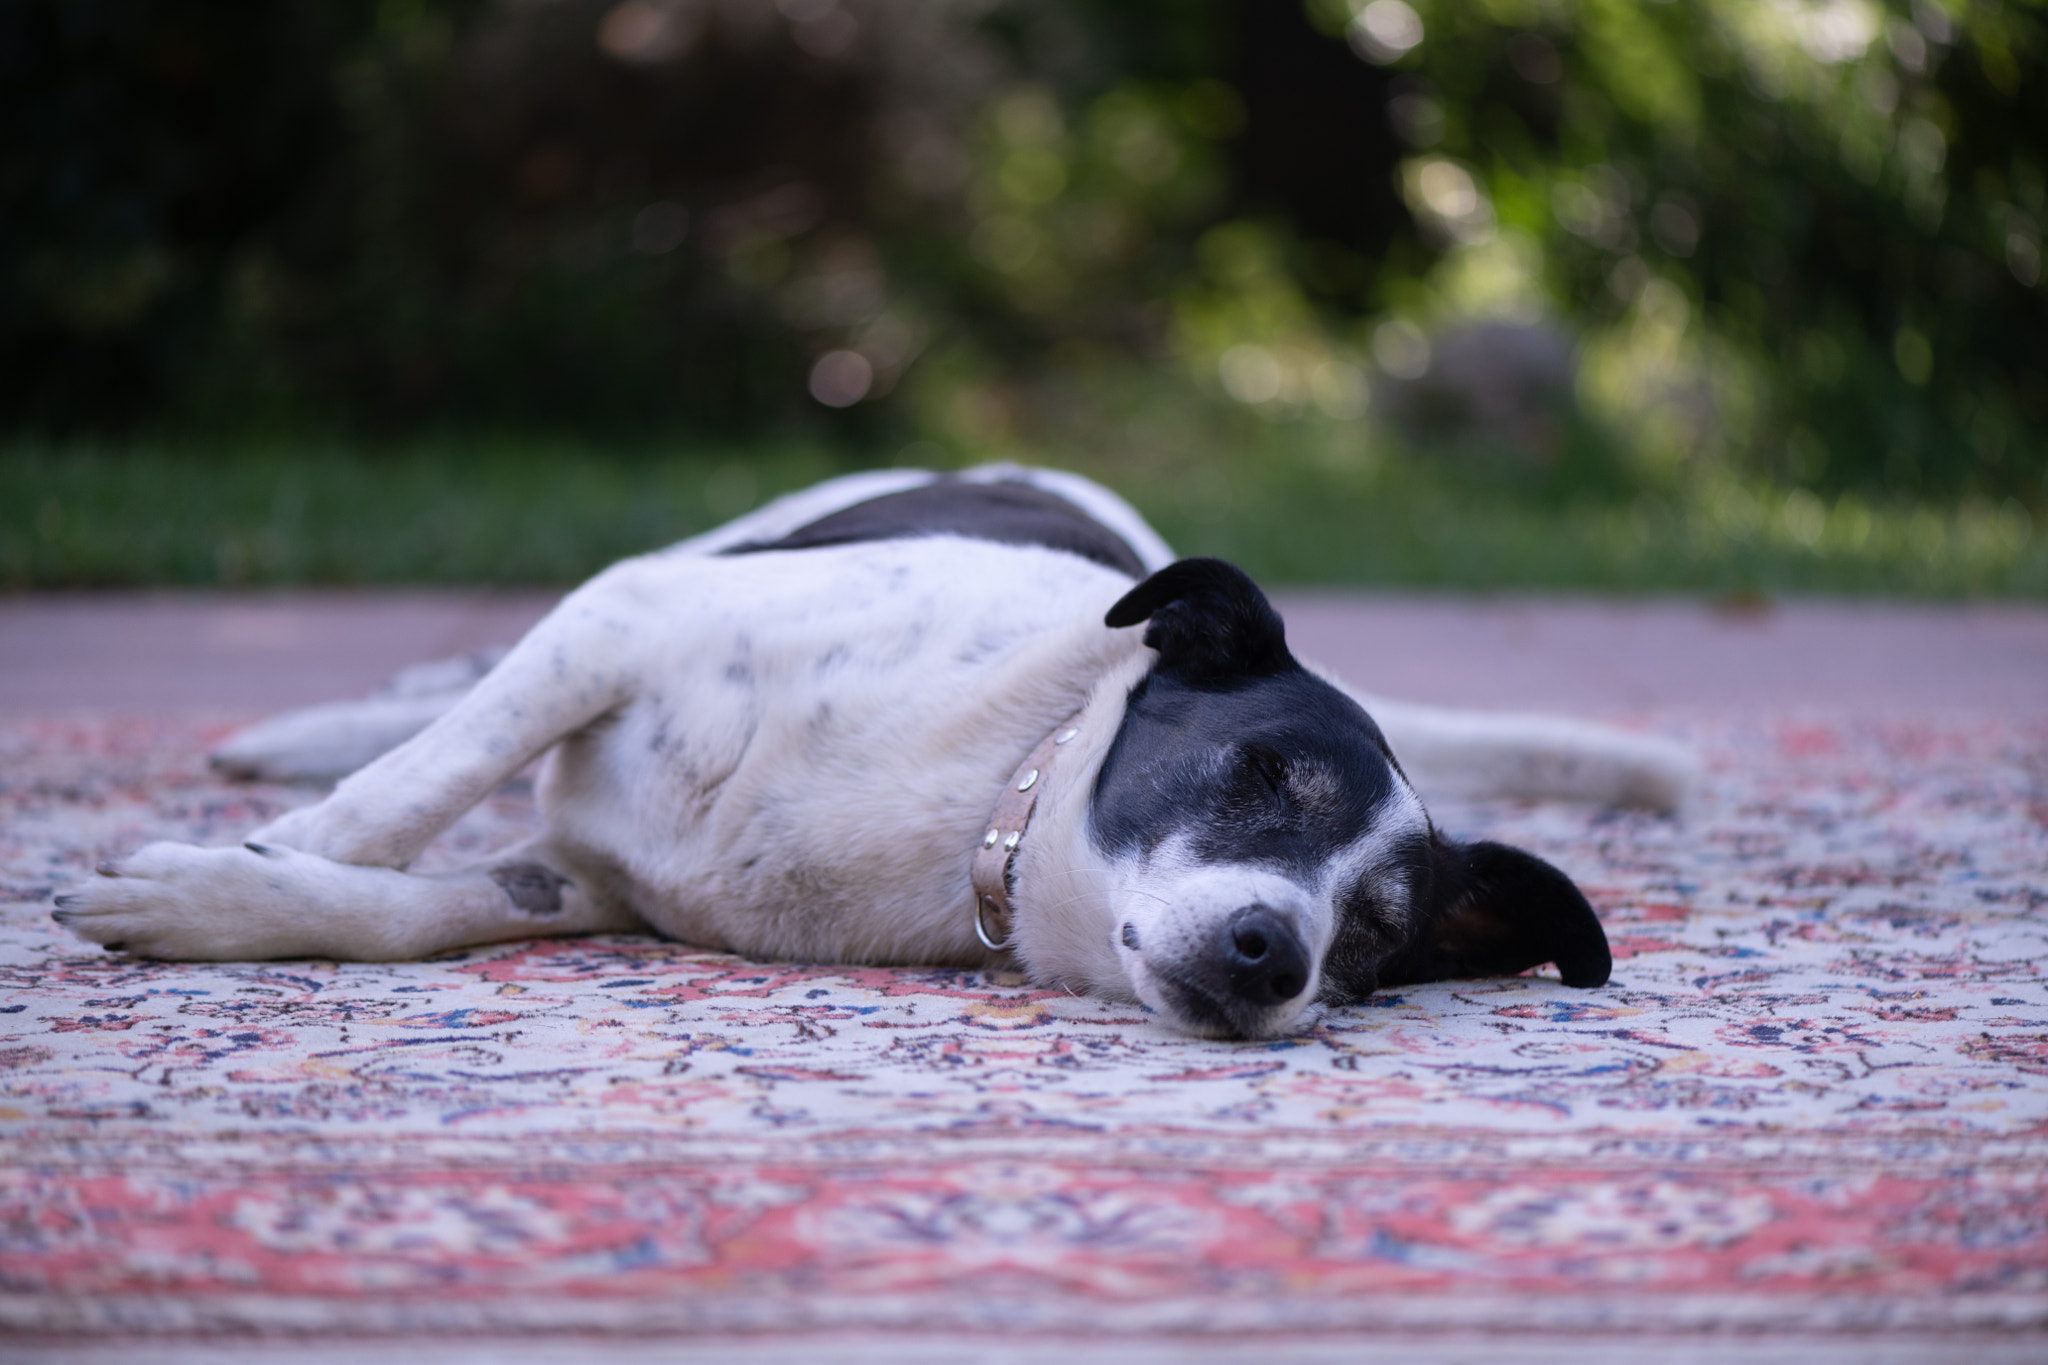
{"x":981,"y":907}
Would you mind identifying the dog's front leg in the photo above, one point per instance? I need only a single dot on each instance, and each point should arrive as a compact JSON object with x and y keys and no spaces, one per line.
{"x":580,"y":662}
{"x":181,"y":903}
{"x":319,"y":881}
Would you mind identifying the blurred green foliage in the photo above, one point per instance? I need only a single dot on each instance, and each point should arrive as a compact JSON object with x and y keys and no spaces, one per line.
{"x":1808,"y":233}
{"x":1613,"y":261}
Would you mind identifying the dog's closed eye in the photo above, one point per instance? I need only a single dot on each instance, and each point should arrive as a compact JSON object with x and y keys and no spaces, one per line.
{"x":1374,"y":917}
{"x":1262,"y":771}
{"x":1265,"y":777}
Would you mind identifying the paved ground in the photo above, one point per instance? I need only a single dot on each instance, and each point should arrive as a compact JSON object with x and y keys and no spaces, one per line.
{"x":169,"y":653}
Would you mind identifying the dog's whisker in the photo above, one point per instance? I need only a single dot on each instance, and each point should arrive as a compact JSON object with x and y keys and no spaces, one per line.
{"x":1053,"y":906}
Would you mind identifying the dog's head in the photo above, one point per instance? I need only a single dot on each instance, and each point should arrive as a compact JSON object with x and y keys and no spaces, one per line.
{"x":1266,"y":851}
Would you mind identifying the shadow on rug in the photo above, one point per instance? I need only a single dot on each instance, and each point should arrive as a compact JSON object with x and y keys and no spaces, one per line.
{"x":1814,"y":1097}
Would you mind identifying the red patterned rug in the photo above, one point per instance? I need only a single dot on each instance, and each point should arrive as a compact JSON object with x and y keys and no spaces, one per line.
{"x":1813,"y":1099}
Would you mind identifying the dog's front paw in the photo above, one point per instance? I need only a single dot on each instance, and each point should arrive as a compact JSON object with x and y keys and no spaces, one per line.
{"x":191,"y":904}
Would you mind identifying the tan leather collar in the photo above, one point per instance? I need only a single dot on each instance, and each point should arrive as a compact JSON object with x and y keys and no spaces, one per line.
{"x":997,"y":852}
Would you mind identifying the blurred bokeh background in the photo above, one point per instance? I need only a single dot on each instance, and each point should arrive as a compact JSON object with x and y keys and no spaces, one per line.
{"x":1741,"y":296}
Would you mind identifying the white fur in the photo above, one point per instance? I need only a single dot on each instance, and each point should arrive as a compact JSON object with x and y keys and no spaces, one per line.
{"x":787,"y":755}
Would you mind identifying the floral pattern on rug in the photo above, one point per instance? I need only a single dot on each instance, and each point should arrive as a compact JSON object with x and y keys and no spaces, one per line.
{"x":1814,"y":1094}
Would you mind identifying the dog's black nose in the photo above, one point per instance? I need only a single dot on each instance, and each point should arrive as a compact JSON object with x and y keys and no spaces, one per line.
{"x":1267,"y":964}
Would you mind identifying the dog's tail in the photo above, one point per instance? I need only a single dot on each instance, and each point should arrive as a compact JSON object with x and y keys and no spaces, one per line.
{"x":1448,"y":752}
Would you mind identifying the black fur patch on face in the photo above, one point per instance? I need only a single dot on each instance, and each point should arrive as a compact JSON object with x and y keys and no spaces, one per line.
{"x":1281,"y":771}
{"x":532,"y":889}
{"x":1370,"y":931}
{"x":1008,"y":513}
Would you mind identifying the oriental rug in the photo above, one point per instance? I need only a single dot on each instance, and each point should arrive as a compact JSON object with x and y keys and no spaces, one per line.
{"x":1814,"y":1098}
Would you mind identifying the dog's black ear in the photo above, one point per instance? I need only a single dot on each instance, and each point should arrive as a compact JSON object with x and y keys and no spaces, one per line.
{"x":1503,"y":911}
{"x":1208,"y":620}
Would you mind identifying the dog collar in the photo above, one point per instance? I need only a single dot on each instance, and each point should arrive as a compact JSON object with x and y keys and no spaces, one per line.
{"x":997,"y":852}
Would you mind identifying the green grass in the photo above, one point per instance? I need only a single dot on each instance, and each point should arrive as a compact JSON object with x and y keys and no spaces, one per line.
{"x":1407,"y":528}
{"x":467,"y":511}
{"x":495,"y":510}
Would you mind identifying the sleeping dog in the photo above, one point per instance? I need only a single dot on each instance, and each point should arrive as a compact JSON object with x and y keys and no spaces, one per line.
{"x":977,"y":720}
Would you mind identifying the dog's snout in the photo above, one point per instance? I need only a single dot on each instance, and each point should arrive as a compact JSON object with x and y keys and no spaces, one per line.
{"x":1267,"y":962}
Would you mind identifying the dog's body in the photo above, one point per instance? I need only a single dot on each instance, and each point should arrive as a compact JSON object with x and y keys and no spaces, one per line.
{"x":786,"y":738}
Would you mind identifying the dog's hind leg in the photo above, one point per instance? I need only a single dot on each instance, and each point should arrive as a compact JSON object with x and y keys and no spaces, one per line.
{"x":1450,"y":752}
{"x":327,"y":742}
{"x":260,"y":901}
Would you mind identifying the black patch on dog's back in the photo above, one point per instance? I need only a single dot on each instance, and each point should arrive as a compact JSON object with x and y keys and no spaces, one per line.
{"x":1008,"y":513}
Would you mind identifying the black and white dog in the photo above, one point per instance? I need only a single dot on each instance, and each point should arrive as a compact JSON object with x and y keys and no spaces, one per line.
{"x":901,"y":717}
